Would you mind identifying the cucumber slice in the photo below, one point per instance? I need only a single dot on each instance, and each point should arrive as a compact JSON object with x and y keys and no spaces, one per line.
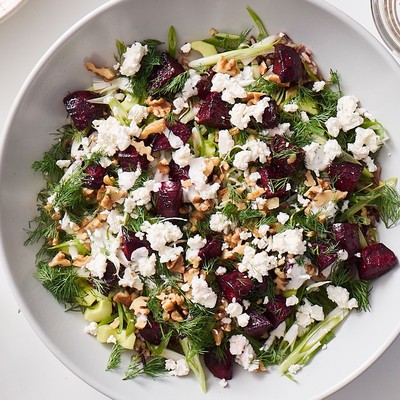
{"x":104,"y":332}
{"x":205,"y":49}
{"x":99,"y":311}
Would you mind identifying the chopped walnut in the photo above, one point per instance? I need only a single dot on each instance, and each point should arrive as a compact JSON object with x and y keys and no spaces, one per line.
{"x":109,"y":180}
{"x":60,"y":260}
{"x":142,"y":149}
{"x":106,"y":73}
{"x":256,"y":193}
{"x":139,"y":306}
{"x":81,"y":260}
{"x":253,"y":97}
{"x":125,"y":298}
{"x":280,"y":280}
{"x":163,"y":166}
{"x":177,"y":265}
{"x":226,"y":66}
{"x":157,"y":126}
{"x":159,"y":107}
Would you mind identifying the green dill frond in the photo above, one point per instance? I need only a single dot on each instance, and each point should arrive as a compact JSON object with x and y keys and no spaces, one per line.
{"x":174,"y":86}
{"x":388,"y":205}
{"x":154,"y":367}
{"x":359,"y":289}
{"x":59,"y":151}
{"x":335,"y":80}
{"x":198,"y":327}
{"x":114,"y":360}
{"x":134,"y":224}
{"x":140,"y":81}
{"x":272,"y":356}
{"x":45,"y":228}
{"x":121,"y":49}
{"x":269,"y":88}
{"x":229,"y":41}
{"x":203,"y":226}
{"x":230,"y":211}
{"x":234,"y":194}
{"x":209,"y":265}
{"x":248,"y":214}
{"x":63,"y":282}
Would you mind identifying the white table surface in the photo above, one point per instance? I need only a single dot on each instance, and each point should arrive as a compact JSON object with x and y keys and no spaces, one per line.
{"x":27,"y":368}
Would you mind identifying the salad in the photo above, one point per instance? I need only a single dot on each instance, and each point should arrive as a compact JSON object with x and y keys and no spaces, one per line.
{"x":216,"y":201}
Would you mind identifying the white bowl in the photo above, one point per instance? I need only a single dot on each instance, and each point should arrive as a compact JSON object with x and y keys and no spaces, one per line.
{"x":367,"y":70}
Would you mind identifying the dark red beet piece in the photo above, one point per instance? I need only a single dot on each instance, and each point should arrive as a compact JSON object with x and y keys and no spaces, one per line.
{"x":287,"y":64}
{"x":130,"y":242}
{"x":269,"y":177}
{"x":258,"y":324}
{"x":345,"y":175}
{"x":129,"y":159}
{"x":151,"y":332}
{"x":376,"y":260}
{"x":203,"y":86}
{"x":177,"y":173}
{"x":220,"y":363}
{"x":277,"y":311}
{"x":270,"y":118}
{"x":283,"y":152}
{"x":179,"y":129}
{"x":325,"y":257}
{"x":162,"y":74}
{"x":235,"y":285}
{"x":169,"y":199}
{"x":94,"y":174}
{"x":347,"y":237}
{"x":83,"y":112}
{"x":214,"y":112}
{"x":212,"y":249}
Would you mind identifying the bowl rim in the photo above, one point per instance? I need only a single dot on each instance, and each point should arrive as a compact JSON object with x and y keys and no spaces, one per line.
{"x":11,"y":11}
{"x":5,"y":267}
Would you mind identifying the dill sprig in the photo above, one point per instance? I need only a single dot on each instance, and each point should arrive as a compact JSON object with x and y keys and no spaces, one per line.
{"x":154,"y":367}
{"x":63,"y":283}
{"x":140,"y":81}
{"x":359,"y":289}
{"x":59,"y":151}
{"x":45,"y":227}
{"x":114,"y":360}
{"x":272,"y":356}
{"x":388,"y":205}
{"x":228,"y":41}
{"x":173,"y":86}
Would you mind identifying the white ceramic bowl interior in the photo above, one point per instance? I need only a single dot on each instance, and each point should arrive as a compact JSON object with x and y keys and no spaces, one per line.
{"x":367,"y":71}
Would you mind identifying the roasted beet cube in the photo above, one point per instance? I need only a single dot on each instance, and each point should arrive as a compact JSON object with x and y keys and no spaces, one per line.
{"x":212,"y":249}
{"x":235,"y":285}
{"x":272,"y":180}
{"x":130,"y":242}
{"x":214,"y":112}
{"x":220,"y":363}
{"x":287,"y":64}
{"x":83,"y":112}
{"x":151,"y":332}
{"x":325,"y":256}
{"x":169,"y":199}
{"x":345,"y":175}
{"x":346,"y":234}
{"x":203,"y":86}
{"x":287,"y":157}
{"x":168,"y":140}
{"x":277,"y":311}
{"x":162,"y":74}
{"x":177,"y":173}
{"x":258,"y":324}
{"x":270,"y":117}
{"x":94,"y":174}
{"x":376,"y":260}
{"x":129,"y":159}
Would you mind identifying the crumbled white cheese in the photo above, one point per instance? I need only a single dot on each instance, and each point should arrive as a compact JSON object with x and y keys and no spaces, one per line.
{"x":62,"y":164}
{"x":292,"y":300}
{"x":190,"y":86}
{"x":132,"y":59}
{"x":252,"y":150}
{"x":297,"y":275}
{"x":243,"y":319}
{"x":244,"y":353}
{"x":202,"y":293}
{"x":182,"y":156}
{"x":186,"y":48}
{"x":289,"y":241}
{"x":255,"y":264}
{"x":225,"y":142}
{"x":131,"y":279}
{"x":318,"y":86}
{"x":223,"y":383}
{"x":196,"y":242}
{"x":241,"y":113}
{"x":219,"y":222}
{"x":341,"y":297}
{"x":290,"y":107}
{"x":220,"y":271}
{"x":138,"y":113}
{"x":282,"y":218}
{"x":179,"y":104}
{"x":97,"y":265}
{"x":319,"y":156}
{"x":126,"y":179}
{"x":234,"y":309}
{"x":308,"y":313}
{"x":177,"y":368}
{"x":174,"y":140}
{"x":366,"y":142}
{"x":293,"y":369}
{"x":91,"y":329}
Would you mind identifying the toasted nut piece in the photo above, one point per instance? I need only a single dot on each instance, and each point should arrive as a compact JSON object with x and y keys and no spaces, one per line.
{"x":60,"y":260}
{"x":106,"y":203}
{"x":262,"y":68}
{"x":253,"y":97}
{"x":177,"y":265}
{"x":256,"y":193}
{"x":310,"y":181}
{"x":186,"y":183}
{"x":115,"y":323}
{"x":109,"y":180}
{"x":88,"y":194}
{"x":272,"y":203}
{"x":81,"y":260}
{"x":218,"y":335}
{"x":115,"y":193}
{"x":176,"y":316}
{"x":163,"y":166}
{"x":160,"y":107}
{"x":275,"y":79}
{"x":143,"y":150}
{"x":106,"y":73}
{"x":226,"y":66}
{"x":139,"y":306}
{"x":125,"y":298}
{"x":157,"y":126}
